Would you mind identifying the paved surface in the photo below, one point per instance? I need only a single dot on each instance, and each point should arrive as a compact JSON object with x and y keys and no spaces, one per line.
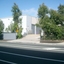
{"x":35,"y":42}
{"x":34,"y":39}
{"x":30,"y":38}
{"x":22,"y":53}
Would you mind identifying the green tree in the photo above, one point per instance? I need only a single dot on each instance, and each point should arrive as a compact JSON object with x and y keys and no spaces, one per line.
{"x":16,"y":14}
{"x":52,"y":24}
{"x":42,"y":11}
{"x":1,"y":26}
{"x":61,"y":12}
{"x":10,"y":28}
{"x":19,"y":29}
{"x":61,"y":9}
{"x":57,"y":17}
{"x":16,"y":18}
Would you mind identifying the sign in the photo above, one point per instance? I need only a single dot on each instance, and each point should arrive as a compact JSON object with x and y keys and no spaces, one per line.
{"x":16,"y":30}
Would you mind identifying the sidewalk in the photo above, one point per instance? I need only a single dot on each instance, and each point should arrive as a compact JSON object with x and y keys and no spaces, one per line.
{"x":62,"y":43}
{"x":24,"y":41}
{"x":3,"y":40}
{"x":34,"y":42}
{"x":30,"y":38}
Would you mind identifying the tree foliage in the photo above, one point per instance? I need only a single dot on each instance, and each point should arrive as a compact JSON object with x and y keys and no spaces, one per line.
{"x":52,"y":24}
{"x":16,"y":26}
{"x":16,"y":18}
{"x":16,"y":13}
{"x":42,"y":11}
{"x":1,"y":26}
{"x":10,"y":28}
{"x":61,"y":9}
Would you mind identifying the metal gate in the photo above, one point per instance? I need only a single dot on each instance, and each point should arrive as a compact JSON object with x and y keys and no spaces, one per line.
{"x":33,"y":29}
{"x":38,"y":30}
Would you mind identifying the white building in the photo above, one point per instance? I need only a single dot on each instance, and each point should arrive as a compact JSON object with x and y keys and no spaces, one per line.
{"x":28,"y":24}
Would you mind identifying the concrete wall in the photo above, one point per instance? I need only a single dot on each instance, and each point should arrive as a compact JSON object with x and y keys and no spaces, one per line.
{"x":9,"y":36}
{"x":24,"y":24}
{"x":33,"y":29}
{"x":7,"y":22}
{"x":34,"y":20}
{"x":27,"y":22}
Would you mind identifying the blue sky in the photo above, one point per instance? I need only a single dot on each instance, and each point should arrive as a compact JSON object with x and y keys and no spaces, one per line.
{"x":28,"y":7}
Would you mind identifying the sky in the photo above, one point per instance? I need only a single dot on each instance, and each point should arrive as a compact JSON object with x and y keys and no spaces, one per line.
{"x":28,"y":7}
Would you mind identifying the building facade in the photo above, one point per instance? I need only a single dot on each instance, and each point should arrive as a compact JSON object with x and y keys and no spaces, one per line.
{"x":28,"y":24}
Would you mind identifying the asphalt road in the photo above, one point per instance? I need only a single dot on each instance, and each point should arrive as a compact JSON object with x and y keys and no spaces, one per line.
{"x":19,"y":53}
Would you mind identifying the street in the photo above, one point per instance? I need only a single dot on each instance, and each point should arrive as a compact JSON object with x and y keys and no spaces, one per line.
{"x":19,"y":53}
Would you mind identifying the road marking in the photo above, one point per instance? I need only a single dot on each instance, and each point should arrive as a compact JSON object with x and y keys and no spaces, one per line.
{"x":7,"y":61}
{"x":49,"y":48}
{"x":34,"y":57}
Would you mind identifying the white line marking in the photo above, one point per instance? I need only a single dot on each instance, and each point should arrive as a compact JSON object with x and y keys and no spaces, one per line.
{"x":49,"y":48}
{"x":7,"y":61}
{"x":55,"y":60}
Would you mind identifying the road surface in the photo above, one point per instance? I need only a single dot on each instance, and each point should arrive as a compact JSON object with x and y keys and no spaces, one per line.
{"x":20,"y":53}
